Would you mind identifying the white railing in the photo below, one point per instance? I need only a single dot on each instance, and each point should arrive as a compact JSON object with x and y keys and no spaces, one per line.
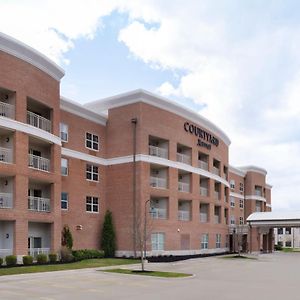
{"x":38,"y":162}
{"x":183,"y":215}
{"x":6,"y":200}
{"x":203,"y":191}
{"x":216,"y":171}
{"x":38,"y":204}
{"x":157,"y":151}
{"x":183,"y":187}
{"x":258,"y":193}
{"x":203,"y":217}
{"x":5,"y":155}
{"x":5,"y":252}
{"x":225,"y":176}
{"x":159,"y":213}
{"x":203,"y":165}
{"x":158,"y":182}
{"x":217,"y":219}
{"x":258,"y":209}
{"x":183,"y":158}
{"x":34,"y":252}
{"x":216,"y":195}
{"x":7,"y":110}
{"x":38,"y":121}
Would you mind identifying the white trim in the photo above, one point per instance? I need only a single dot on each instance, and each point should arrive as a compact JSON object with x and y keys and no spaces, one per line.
{"x":81,"y":111}
{"x":254,"y":197}
{"x":30,"y":55}
{"x":269,"y":205}
{"x":144,"y":96}
{"x":237,"y":171}
{"x":236,"y":195}
{"x":143,"y":158}
{"x":253,"y":169}
{"x":268,"y":186}
{"x":31,"y":130}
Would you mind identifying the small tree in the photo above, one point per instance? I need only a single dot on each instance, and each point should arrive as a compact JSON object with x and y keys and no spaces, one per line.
{"x":108,"y":241}
{"x":67,"y":239}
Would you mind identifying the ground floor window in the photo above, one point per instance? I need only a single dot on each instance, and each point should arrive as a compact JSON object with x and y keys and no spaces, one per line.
{"x":158,"y":241}
{"x":204,"y":241}
{"x":218,"y":240}
{"x":288,"y":244}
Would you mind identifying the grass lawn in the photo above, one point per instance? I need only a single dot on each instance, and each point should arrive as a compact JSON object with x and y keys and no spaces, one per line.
{"x":290,"y":250}
{"x":88,"y":263}
{"x":236,"y":256}
{"x":149,"y":273}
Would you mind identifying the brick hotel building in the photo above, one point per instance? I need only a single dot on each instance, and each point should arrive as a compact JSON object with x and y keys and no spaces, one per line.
{"x":136,"y":154}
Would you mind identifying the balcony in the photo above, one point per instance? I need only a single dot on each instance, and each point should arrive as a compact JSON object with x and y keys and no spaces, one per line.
{"x":38,"y":204}
{"x":183,"y":215}
{"x":217,"y":219}
{"x":203,"y":217}
{"x":183,"y":187}
{"x":183,"y":158}
{"x":7,"y":110}
{"x":203,"y":165}
{"x":203,"y":191}
{"x":215,"y":171}
{"x":6,"y":200}
{"x":158,"y":213}
{"x":38,"y":162}
{"x":38,"y":121}
{"x":258,"y":193}
{"x":157,"y":151}
{"x":5,"y":155}
{"x":216,"y":195}
{"x":34,"y":252}
{"x":5,"y":252}
{"x":158,"y":182}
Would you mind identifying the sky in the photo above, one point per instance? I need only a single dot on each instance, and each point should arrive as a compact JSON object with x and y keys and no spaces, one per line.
{"x":235,"y":62}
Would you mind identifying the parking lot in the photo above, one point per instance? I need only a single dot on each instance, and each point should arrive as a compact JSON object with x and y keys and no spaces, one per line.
{"x":270,"y":276}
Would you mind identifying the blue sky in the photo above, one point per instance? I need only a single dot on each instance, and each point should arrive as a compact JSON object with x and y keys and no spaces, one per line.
{"x":235,"y":62}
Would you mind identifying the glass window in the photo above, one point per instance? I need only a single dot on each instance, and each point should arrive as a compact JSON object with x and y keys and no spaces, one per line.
{"x":241,"y":187}
{"x":241,"y":203}
{"x":64,"y":200}
{"x":232,"y":202}
{"x":218,"y":240}
{"x":64,"y":129}
{"x":204,"y":241}
{"x":280,"y":230}
{"x":92,"y":172}
{"x":158,"y":241}
{"x":92,"y":204}
{"x":232,"y":220}
{"x":232,"y":184}
{"x":241,"y":220}
{"x":64,"y":167}
{"x":92,"y":141}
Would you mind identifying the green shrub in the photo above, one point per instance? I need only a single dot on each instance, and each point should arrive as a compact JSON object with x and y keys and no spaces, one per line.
{"x":87,"y":254}
{"x":11,"y":260}
{"x":66,"y":237}
{"x":66,"y":255}
{"x":1,"y":261}
{"x":41,"y":259}
{"x":52,"y":258}
{"x":108,"y":238}
{"x":27,"y":260}
{"x":278,"y":247}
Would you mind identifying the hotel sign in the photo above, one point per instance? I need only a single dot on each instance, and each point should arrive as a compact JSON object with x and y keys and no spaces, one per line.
{"x":205,"y":139}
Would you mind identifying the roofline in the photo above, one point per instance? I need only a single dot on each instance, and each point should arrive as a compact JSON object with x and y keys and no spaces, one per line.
{"x":81,"y":111}
{"x":237,"y":171}
{"x":268,"y":186}
{"x":253,"y":168}
{"x":144,"y":96}
{"x":26,"y":53}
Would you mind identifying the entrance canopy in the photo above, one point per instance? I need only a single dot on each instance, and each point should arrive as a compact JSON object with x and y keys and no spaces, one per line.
{"x":274,"y":219}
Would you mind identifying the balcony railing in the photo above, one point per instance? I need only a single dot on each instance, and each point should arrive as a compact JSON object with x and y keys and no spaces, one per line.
{"x":183,"y":187}
{"x":203,"y":217}
{"x":258,"y":193}
{"x":38,"y":162}
{"x":157,"y":151}
{"x":203,"y":191}
{"x":158,"y":182}
{"x":5,"y":155}
{"x":183,"y":158}
{"x":5,"y":252}
{"x":38,"y":121}
{"x":217,"y":219}
{"x":159,"y":213}
{"x":7,"y":110}
{"x":34,"y":252}
{"x":203,"y":165}
{"x":38,"y":204}
{"x":216,"y":171}
{"x":225,"y":176}
{"x":6,"y":200}
{"x":183,"y":215}
{"x":217,"y":195}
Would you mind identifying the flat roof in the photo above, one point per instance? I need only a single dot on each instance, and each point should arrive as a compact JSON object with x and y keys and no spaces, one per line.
{"x":274,"y":219}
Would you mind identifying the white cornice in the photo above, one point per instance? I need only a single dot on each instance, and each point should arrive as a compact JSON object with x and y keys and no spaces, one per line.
{"x":268,"y":186}
{"x":81,"y":111}
{"x":31,"y":130}
{"x":254,"y":169}
{"x":237,"y":171}
{"x":268,"y":205}
{"x":141,"y":95}
{"x":254,"y":197}
{"x":83,"y":156}
{"x":30,"y":55}
{"x":236,"y":195}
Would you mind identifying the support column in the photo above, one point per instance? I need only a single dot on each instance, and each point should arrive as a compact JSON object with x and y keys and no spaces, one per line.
{"x":21,"y":238}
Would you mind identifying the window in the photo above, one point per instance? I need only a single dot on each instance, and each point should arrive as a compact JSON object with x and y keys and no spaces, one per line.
{"x":232,"y":184}
{"x":158,"y":241}
{"x":241,"y":187}
{"x":218,"y":240}
{"x":204,"y":241}
{"x":64,"y":128}
{"x":288,"y":244}
{"x":232,"y":202}
{"x":241,"y":220}
{"x":241,"y":203}
{"x":280,"y":230}
{"x":92,"y":172}
{"x":288,"y":230}
{"x":64,"y":200}
{"x":92,"y":141}
{"x":232,"y":220}
{"x":64,"y":167}
{"x":92,"y":204}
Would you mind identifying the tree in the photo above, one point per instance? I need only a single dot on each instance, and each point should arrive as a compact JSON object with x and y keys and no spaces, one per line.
{"x":67,"y":238}
{"x":108,"y":241}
